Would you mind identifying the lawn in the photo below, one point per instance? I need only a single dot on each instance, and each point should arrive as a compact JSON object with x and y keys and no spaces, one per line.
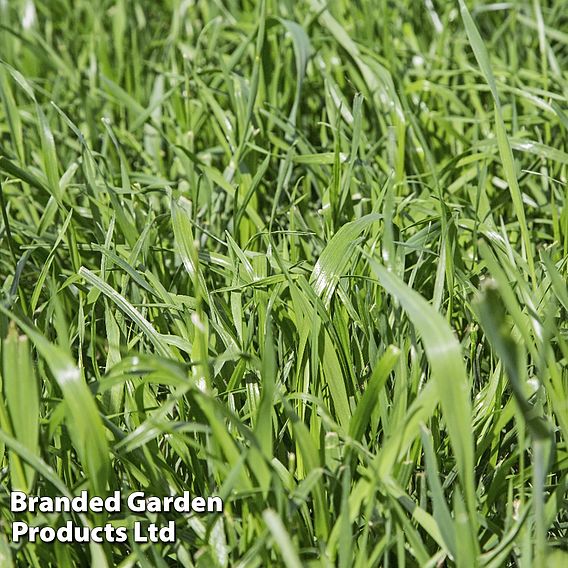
{"x":309,"y":258}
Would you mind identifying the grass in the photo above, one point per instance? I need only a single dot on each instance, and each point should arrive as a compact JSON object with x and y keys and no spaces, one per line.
{"x":308,"y":257}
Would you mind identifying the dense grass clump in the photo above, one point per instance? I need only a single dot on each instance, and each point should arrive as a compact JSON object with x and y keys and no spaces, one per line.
{"x":310,"y":257}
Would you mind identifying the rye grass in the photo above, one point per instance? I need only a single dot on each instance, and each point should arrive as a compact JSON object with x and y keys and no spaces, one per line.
{"x":310,"y":257}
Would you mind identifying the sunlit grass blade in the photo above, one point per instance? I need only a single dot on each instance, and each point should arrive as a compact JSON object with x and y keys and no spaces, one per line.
{"x":85,"y":425}
{"x":195,"y":198}
{"x":21,"y":399}
{"x":448,"y":372}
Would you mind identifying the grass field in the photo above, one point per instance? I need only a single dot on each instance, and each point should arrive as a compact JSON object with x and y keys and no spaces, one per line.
{"x":309,"y":257}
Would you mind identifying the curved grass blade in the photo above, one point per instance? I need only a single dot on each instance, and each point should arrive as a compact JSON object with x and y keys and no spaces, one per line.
{"x":448,"y":372}
{"x":159,"y":343}
{"x":337,"y":255}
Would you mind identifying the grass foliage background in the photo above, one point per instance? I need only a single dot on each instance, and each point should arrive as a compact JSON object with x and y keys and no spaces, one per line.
{"x":309,"y":257}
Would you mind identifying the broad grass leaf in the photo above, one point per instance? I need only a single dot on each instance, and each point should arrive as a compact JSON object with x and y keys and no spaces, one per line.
{"x":361,"y":416}
{"x":492,"y":316}
{"x":448,"y":371}
{"x":12,"y":115}
{"x":183,"y":233}
{"x":22,"y":174}
{"x":98,"y":558}
{"x":302,"y":51}
{"x":337,"y":255}
{"x":282,"y":539}
{"x":21,"y":394}
{"x":49,"y":155}
{"x":85,"y":425}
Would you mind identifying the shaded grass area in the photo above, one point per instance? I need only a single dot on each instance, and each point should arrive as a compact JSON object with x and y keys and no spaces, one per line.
{"x":308,"y":257}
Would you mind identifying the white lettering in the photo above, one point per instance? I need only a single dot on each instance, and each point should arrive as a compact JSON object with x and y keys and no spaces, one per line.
{"x":96,"y":505}
{"x":19,"y":528}
{"x":47,"y":534}
{"x":168,"y":534}
{"x":214,"y":504}
{"x":136,"y":502}
{"x":18,"y":501}
{"x":112,"y":503}
{"x":138,"y":533}
{"x":121,"y":535}
{"x":96,"y":534}
{"x":198,"y":504}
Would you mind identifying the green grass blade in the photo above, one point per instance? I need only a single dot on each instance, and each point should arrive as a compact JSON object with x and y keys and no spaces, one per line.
{"x":448,"y":372}
{"x":85,"y":426}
